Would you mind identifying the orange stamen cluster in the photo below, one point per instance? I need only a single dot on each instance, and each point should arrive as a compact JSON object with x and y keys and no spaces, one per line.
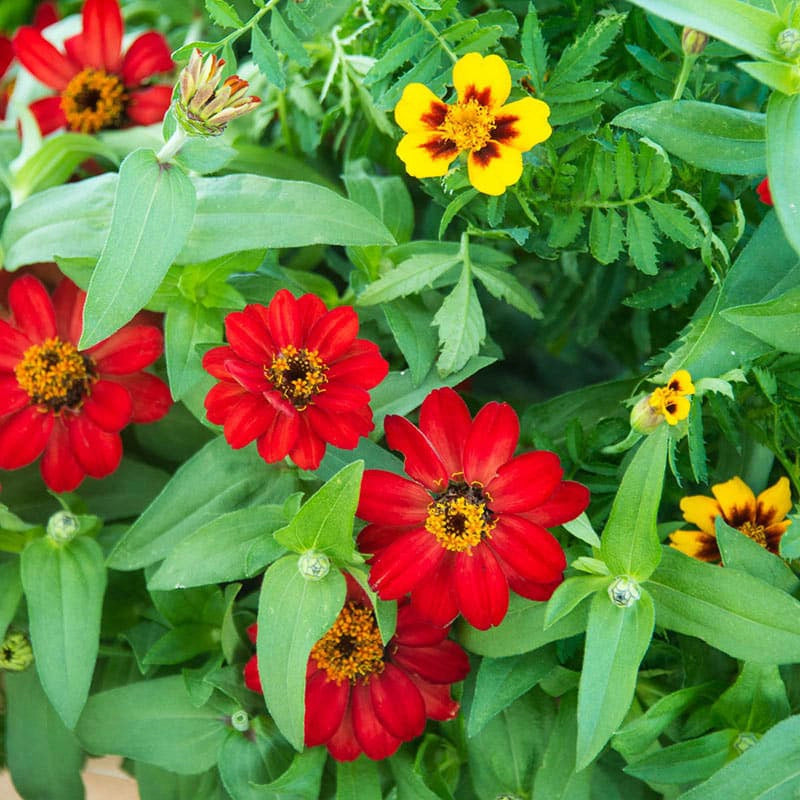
{"x":93,"y":100}
{"x":299,"y":375}
{"x":755,"y":532}
{"x":352,"y":649}
{"x":55,"y":374}
{"x":469,"y":125}
{"x":459,"y":522}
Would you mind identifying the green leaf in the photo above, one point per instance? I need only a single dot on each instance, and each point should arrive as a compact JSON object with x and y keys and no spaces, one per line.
{"x":616,"y":641}
{"x":697,"y":446}
{"x":783,"y":150}
{"x":153,"y":721}
{"x":155,"y":783}
{"x":411,"y":325}
{"x":182,"y":644}
{"x":223,"y":14}
{"x":266,"y":58}
{"x":741,"y":552}
{"x":776,"y":322}
{"x":784,"y":78}
{"x":453,"y":207}
{"x":706,"y":135}
{"x":286,"y":41}
{"x":11,"y":582}
{"x":501,"y":681}
{"x":215,"y":480}
{"x":410,"y":785}
{"x":630,"y":543}
{"x":730,"y":610}
{"x":153,"y":212}
{"x":626,"y":172}
{"x":571,"y":593}
{"x":642,"y":241}
{"x":675,"y":224}
{"x":654,"y":168}
{"x":504,"y":286}
{"x":407,"y":277}
{"x":606,"y":235}
{"x":325,"y":522}
{"x":293,"y":615}
{"x":358,"y":780}
{"x":300,"y":782}
{"x":462,"y":327}
{"x":64,"y":587}
{"x":756,"y":701}
{"x":534,"y":49}
{"x":738,"y":23}
{"x":671,"y":288}
{"x":42,"y":755}
{"x":185,"y":326}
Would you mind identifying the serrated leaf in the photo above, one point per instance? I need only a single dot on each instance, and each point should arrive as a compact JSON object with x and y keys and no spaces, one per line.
{"x":606,"y":235}
{"x":675,"y":224}
{"x":223,"y":14}
{"x":671,"y":288}
{"x":505,"y":286}
{"x":642,"y":241}
{"x":412,"y":328}
{"x":534,"y":48}
{"x":286,"y":41}
{"x":461,"y":325}
{"x":565,"y":229}
{"x":266,"y":58}
{"x":653,"y":168}
{"x":626,"y":173}
{"x":697,"y":446}
{"x":407,"y":277}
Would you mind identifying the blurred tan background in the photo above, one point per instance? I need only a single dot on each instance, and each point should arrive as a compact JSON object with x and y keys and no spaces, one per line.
{"x":103,"y":778}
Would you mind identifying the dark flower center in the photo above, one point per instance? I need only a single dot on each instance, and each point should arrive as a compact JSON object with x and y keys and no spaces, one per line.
{"x":299,"y":375}
{"x":459,"y":518}
{"x":352,"y":649}
{"x":54,"y":373}
{"x":93,"y":100}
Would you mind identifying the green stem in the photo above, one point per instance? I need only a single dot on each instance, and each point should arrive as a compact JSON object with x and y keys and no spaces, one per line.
{"x":631,"y":201}
{"x":234,"y":35}
{"x":172,"y":146}
{"x":683,"y":77}
{"x":429,"y":26}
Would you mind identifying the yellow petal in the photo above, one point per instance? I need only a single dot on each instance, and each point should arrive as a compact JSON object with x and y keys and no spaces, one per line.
{"x":522,"y":124}
{"x":675,"y":409}
{"x":701,"y":511}
{"x":681,"y":382}
{"x":695,"y":544}
{"x":774,"y":503}
{"x":486,"y":80}
{"x":426,"y":154}
{"x":419,"y":109}
{"x":737,"y":501}
{"x":494,"y":167}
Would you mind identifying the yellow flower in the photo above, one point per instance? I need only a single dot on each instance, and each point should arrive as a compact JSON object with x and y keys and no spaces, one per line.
{"x":494,"y":135}
{"x":762,"y":518}
{"x":670,"y":400}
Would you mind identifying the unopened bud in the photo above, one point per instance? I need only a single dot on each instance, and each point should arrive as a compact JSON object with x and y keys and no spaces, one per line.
{"x":63,"y":527}
{"x":644,"y":418}
{"x":15,"y":652}
{"x":313,"y":565}
{"x":240,"y":721}
{"x":788,"y":42}
{"x":693,"y":42}
{"x":624,"y":591}
{"x":744,"y":741}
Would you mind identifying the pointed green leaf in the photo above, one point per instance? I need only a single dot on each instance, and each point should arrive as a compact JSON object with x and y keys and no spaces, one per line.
{"x":756,"y":701}
{"x":462,"y":327}
{"x":266,"y":58}
{"x":223,"y":14}
{"x":185,"y":326}
{"x":358,"y":780}
{"x":505,"y":286}
{"x":606,"y":234}
{"x":534,"y":49}
{"x":286,"y":41}
{"x":412,"y":328}
{"x":776,"y":322}
{"x":11,"y":594}
{"x":675,"y":224}
{"x":626,"y":173}
{"x":571,"y":593}
{"x":407,"y":277}
{"x":300,"y":782}
{"x":783,"y":152}
{"x":642,"y":240}
{"x":784,"y":78}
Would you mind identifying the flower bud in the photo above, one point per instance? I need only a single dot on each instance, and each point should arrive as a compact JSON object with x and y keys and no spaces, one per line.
{"x":204,"y":108}
{"x":63,"y":527}
{"x":240,"y":721}
{"x":624,"y":591}
{"x":693,"y":42}
{"x":313,"y":565}
{"x":15,"y":652}
{"x":744,"y":741}
{"x":788,"y":42}
{"x":644,"y":418}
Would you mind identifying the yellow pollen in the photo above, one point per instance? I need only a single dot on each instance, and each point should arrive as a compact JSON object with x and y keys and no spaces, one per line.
{"x":469,"y":125}
{"x":299,"y":375}
{"x":754,"y":532}
{"x":93,"y":100}
{"x":458,"y":524}
{"x":352,"y":649}
{"x":55,"y":374}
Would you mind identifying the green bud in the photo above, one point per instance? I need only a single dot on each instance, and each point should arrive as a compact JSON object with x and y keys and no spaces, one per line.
{"x":693,"y":42}
{"x":624,"y":591}
{"x":240,"y":721}
{"x":744,"y":741}
{"x":15,"y":652}
{"x":63,"y":526}
{"x":788,"y":42}
{"x":644,"y":418}
{"x":313,"y":565}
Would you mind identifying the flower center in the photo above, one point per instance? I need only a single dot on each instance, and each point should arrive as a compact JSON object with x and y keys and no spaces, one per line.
{"x":754,"y":532}
{"x":352,"y":648}
{"x":55,"y":374}
{"x":663,"y":400}
{"x":299,"y":375}
{"x":469,"y":125}
{"x":93,"y":100}
{"x":459,"y":518}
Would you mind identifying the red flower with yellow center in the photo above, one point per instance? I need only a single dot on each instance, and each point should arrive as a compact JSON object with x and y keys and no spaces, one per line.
{"x":97,"y":86}
{"x":364,"y":697}
{"x":493,"y":134}
{"x":294,"y":377}
{"x":471,"y":522}
{"x":65,"y":403}
{"x":762,"y":518}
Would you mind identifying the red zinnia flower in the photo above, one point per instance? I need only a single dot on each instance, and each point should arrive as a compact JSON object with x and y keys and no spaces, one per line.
{"x":471,"y":523}
{"x":293,"y":376}
{"x":97,"y":87}
{"x":364,"y":697}
{"x":764,"y":193}
{"x":67,"y":403}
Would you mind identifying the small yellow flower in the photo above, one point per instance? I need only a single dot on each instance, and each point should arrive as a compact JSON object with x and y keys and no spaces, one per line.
{"x":494,"y":135}
{"x":762,"y":518}
{"x":670,"y":401}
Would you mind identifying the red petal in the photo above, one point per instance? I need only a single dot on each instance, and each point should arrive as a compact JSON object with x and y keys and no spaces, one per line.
{"x":338,"y":397}
{"x":284,"y":321}
{"x":148,"y":55}
{"x":12,"y":397}
{"x":96,"y":450}
{"x":374,"y":537}
{"x":438,"y":703}
{"x":491,"y":442}
{"x":48,"y":114}
{"x":568,"y":501}
{"x":68,"y":302}
{"x":397,"y":703}
{"x":252,"y":680}
{"x":44,"y":15}
{"x":530,"y":550}
{"x":309,"y":309}
{"x":444,"y":418}
{"x":6,"y":54}
{"x":109,"y":406}
{"x":248,"y":375}
{"x":404,"y":564}
{"x":375,"y":740}
{"x":388,"y":499}
{"x":415,"y":630}
{"x":32,"y":308}
{"x":764,"y":193}
{"x":42,"y":60}
{"x":482,"y":588}
{"x":309,"y":449}
{"x":102,"y":34}
{"x":525,"y":482}
{"x":75,"y":49}
{"x":279,"y":438}
{"x":23,"y":436}
{"x":214,"y":362}
{"x":149,"y":395}
{"x":246,"y":338}
{"x":221,"y":400}
{"x":362,"y":365}
{"x":13,"y":344}
{"x":445,"y":662}
{"x":148,"y":106}
{"x":343,"y":745}
{"x":60,"y":469}
{"x":326,"y":703}
{"x":333,"y":334}
{"x":530,"y":589}
{"x":422,"y":463}
{"x":247,"y":420}
{"x":435,"y":597}
{"x":341,"y":430}
{"x":130,"y":349}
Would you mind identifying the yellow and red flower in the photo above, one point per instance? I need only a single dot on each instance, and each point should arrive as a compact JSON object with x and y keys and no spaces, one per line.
{"x":294,"y":377}
{"x":97,"y":86}
{"x":762,"y":518}
{"x":671,"y":401}
{"x":364,"y":697}
{"x":493,"y":134}
{"x":472,"y":521}
{"x":65,"y":404}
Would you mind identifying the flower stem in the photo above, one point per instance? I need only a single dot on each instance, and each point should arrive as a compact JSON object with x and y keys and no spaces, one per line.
{"x":428,"y":25}
{"x":172,"y":146}
{"x":683,"y":77}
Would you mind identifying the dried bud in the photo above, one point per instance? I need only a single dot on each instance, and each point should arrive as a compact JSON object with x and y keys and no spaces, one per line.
{"x":63,"y":527}
{"x":203,"y":107}
{"x":624,"y":591}
{"x":15,"y":652}
{"x":313,"y":565}
{"x":788,"y":42}
{"x":693,"y":42}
